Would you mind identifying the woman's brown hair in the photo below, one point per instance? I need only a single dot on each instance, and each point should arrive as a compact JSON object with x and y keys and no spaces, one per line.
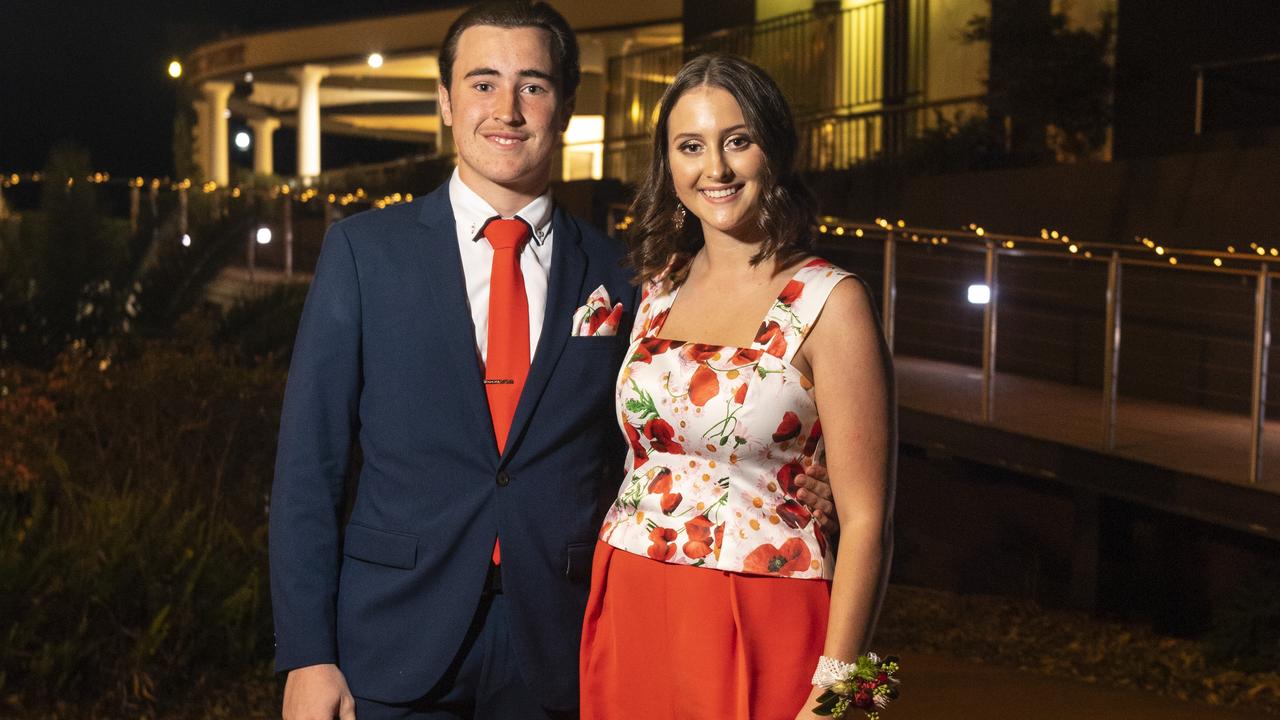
{"x":787,"y":207}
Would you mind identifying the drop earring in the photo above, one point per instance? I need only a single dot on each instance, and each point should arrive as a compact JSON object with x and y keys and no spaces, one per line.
{"x":678,"y":217}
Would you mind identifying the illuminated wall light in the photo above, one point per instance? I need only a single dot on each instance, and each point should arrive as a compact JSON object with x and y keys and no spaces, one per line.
{"x":1217,"y":262}
{"x":1275,"y":252}
{"x":1044,"y":234}
{"x":902,"y":223}
{"x":186,"y":240}
{"x":1173,"y":260}
{"x":979,"y":294}
{"x":1253,"y":245}
{"x":980,"y":232}
{"x":263,"y":235}
{"x":1088,"y":254}
{"x":858,"y":232}
{"x":822,"y":229}
{"x":1054,"y":234}
{"x":1066,"y":238}
{"x":1072,"y":247}
{"x":1231,"y":248}
{"x":839,"y":230}
{"x":1159,"y":250}
{"x":1261,"y":251}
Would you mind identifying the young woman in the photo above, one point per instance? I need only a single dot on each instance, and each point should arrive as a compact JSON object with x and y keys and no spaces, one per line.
{"x":714,"y":594}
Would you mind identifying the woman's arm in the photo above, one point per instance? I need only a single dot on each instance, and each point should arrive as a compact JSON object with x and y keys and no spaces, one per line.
{"x":853,"y":381}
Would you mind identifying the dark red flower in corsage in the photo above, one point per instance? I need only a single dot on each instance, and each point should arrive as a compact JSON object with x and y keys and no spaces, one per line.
{"x":787,"y":476}
{"x":792,"y":557}
{"x":698,"y":530}
{"x":703,"y":386}
{"x":661,"y":436}
{"x":662,"y":547}
{"x":661,"y":481}
{"x":791,"y":292}
{"x":770,"y":335}
{"x":794,"y":514}
{"x":788,"y":428}
{"x":670,"y":501}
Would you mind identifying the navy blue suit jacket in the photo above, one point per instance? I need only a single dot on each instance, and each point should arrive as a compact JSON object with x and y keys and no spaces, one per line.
{"x":386,"y":356}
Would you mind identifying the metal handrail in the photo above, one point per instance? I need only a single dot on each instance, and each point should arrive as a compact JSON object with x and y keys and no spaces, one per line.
{"x":995,"y":245}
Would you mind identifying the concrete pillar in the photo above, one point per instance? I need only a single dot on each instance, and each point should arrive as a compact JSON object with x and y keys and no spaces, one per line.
{"x":263,"y":147}
{"x":200,"y":140}
{"x":216,"y":95}
{"x":309,"y":77}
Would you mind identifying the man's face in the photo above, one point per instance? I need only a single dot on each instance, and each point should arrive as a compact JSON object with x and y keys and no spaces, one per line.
{"x":505,"y":107}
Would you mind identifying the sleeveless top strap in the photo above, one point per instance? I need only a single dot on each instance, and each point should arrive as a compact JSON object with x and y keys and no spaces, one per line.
{"x":656,"y":299}
{"x":797,"y":307}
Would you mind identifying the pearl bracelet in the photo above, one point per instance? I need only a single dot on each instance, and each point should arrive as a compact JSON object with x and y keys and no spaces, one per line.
{"x":831,"y":671}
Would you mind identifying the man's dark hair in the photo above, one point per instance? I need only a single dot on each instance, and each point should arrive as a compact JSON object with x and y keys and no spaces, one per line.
{"x":517,"y":14}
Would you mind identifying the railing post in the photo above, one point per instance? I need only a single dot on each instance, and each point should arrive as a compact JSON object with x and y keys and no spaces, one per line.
{"x":1261,"y":352}
{"x":183,"y":211}
{"x":135,"y":205}
{"x":1111,"y":362}
{"x":888,"y":305}
{"x":989,"y":336}
{"x":286,"y":222}
{"x":1199,"y":121}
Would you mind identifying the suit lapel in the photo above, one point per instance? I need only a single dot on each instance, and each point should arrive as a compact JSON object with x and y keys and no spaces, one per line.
{"x":441,"y":265}
{"x":564,"y":286}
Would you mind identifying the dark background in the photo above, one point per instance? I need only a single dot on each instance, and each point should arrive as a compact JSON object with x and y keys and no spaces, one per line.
{"x":95,"y":73}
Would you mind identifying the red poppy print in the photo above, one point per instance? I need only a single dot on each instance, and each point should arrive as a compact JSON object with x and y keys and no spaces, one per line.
{"x":598,"y":316}
{"x":670,"y":501}
{"x":745,"y":356}
{"x":791,"y":292}
{"x":633,"y":438}
{"x":698,"y":530}
{"x":767,"y":559}
{"x":650,"y":346}
{"x":740,"y":396}
{"x":794,"y":514}
{"x":787,"y":476}
{"x":661,"y":481}
{"x":815,"y":434}
{"x":661,"y":436}
{"x":771,"y":336}
{"x":704,"y":385}
{"x":788,"y":428}
{"x":662,"y":543}
{"x":817,"y":262}
{"x":699,"y":352}
{"x":719,"y":536}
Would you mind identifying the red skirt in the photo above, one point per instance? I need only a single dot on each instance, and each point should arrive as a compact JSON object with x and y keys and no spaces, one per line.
{"x":669,"y":641}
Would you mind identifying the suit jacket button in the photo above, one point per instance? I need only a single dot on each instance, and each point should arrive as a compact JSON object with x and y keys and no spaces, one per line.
{"x":503,"y":478}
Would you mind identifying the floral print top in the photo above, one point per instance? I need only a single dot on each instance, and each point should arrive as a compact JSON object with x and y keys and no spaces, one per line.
{"x":717,"y":436}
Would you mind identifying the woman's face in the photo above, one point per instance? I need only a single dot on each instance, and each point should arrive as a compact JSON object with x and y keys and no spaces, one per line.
{"x":716,"y":165}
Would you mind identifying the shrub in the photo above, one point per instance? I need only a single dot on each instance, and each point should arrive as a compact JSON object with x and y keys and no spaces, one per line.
{"x":133,"y":529}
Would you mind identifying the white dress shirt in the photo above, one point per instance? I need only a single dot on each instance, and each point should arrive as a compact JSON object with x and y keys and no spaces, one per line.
{"x":471,"y":212}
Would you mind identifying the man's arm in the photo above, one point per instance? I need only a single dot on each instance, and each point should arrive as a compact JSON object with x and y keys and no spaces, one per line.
{"x":316,"y":429}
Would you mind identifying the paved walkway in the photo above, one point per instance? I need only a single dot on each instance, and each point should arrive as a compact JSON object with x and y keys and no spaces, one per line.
{"x":1207,"y":443}
{"x":943,"y":688}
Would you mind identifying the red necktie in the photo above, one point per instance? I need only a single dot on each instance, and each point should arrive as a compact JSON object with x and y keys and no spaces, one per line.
{"x":507,"y":361}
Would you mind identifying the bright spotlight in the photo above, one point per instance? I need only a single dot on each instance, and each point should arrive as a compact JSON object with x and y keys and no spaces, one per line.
{"x":375,"y":60}
{"x":264,"y":235}
{"x":979,"y":294}
{"x":243,"y":140}
{"x":175,"y":69}
{"x":186,"y":240}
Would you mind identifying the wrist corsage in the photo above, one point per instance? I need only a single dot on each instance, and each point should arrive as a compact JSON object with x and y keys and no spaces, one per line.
{"x":867,"y":684}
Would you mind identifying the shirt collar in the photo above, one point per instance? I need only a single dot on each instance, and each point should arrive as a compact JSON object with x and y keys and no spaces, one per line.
{"x":471,"y":212}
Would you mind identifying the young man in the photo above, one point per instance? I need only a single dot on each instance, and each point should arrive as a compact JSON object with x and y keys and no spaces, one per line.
{"x":445,"y":344}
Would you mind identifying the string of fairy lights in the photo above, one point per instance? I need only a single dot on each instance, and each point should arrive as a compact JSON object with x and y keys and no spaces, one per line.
{"x":1049,"y":237}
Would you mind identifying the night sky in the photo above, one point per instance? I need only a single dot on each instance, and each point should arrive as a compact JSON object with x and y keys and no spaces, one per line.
{"x":94,"y":73}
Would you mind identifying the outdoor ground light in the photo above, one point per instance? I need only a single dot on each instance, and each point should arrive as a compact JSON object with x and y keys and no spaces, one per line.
{"x":264,"y":235}
{"x":979,"y":294}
